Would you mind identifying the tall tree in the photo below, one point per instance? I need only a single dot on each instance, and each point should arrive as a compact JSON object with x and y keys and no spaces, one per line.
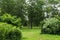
{"x":19,"y":10}
{"x":35,"y":12}
{"x":14,"y":7}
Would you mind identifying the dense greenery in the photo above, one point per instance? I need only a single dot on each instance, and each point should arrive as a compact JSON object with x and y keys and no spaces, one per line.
{"x":51,"y":26}
{"x":16,"y":14}
{"x":9,"y":32}
{"x":10,"y":19}
{"x":31,"y":12}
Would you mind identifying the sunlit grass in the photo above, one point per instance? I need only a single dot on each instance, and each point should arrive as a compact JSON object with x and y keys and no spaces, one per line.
{"x":34,"y":34}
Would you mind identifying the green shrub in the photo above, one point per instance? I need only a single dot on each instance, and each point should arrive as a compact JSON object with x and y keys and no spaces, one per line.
{"x":10,"y":19}
{"x":7,"y":32}
{"x":51,"y":26}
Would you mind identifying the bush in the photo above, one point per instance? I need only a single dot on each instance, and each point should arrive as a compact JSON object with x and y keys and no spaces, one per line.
{"x":10,"y":19}
{"x":7,"y":32}
{"x":51,"y":26}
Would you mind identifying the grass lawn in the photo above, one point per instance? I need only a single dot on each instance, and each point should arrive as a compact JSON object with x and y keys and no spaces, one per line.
{"x":34,"y":34}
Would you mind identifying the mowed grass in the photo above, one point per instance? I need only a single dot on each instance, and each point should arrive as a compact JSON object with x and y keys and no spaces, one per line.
{"x":35,"y":34}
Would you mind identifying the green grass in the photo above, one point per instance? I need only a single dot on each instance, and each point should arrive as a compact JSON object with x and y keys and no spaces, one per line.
{"x":34,"y":34}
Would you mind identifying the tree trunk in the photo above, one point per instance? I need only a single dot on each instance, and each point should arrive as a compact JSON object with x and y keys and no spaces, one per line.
{"x":31,"y":24}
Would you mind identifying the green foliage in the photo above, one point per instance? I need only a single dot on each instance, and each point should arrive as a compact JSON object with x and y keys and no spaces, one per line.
{"x":10,"y":19}
{"x":14,"y":7}
{"x":51,"y":26}
{"x":35,"y":12}
{"x":7,"y":32}
{"x":57,"y":16}
{"x":53,"y":1}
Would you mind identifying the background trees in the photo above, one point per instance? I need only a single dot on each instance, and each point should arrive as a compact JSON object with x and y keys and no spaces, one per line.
{"x":51,"y":7}
{"x":14,"y":7}
{"x":31,"y":12}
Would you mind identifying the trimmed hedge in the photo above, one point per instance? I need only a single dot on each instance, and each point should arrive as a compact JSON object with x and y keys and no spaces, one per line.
{"x":7,"y":32}
{"x":51,"y":26}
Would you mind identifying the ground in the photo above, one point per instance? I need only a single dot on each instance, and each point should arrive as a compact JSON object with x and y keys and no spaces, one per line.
{"x":35,"y":34}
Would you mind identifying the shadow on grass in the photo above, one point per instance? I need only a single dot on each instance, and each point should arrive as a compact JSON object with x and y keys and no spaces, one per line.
{"x":49,"y":34}
{"x":25,"y":38}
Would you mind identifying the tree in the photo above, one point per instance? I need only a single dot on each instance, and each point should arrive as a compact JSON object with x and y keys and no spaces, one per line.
{"x":7,"y":6}
{"x":19,"y":10}
{"x":35,"y":12}
{"x":51,"y":7}
{"x":14,"y":7}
